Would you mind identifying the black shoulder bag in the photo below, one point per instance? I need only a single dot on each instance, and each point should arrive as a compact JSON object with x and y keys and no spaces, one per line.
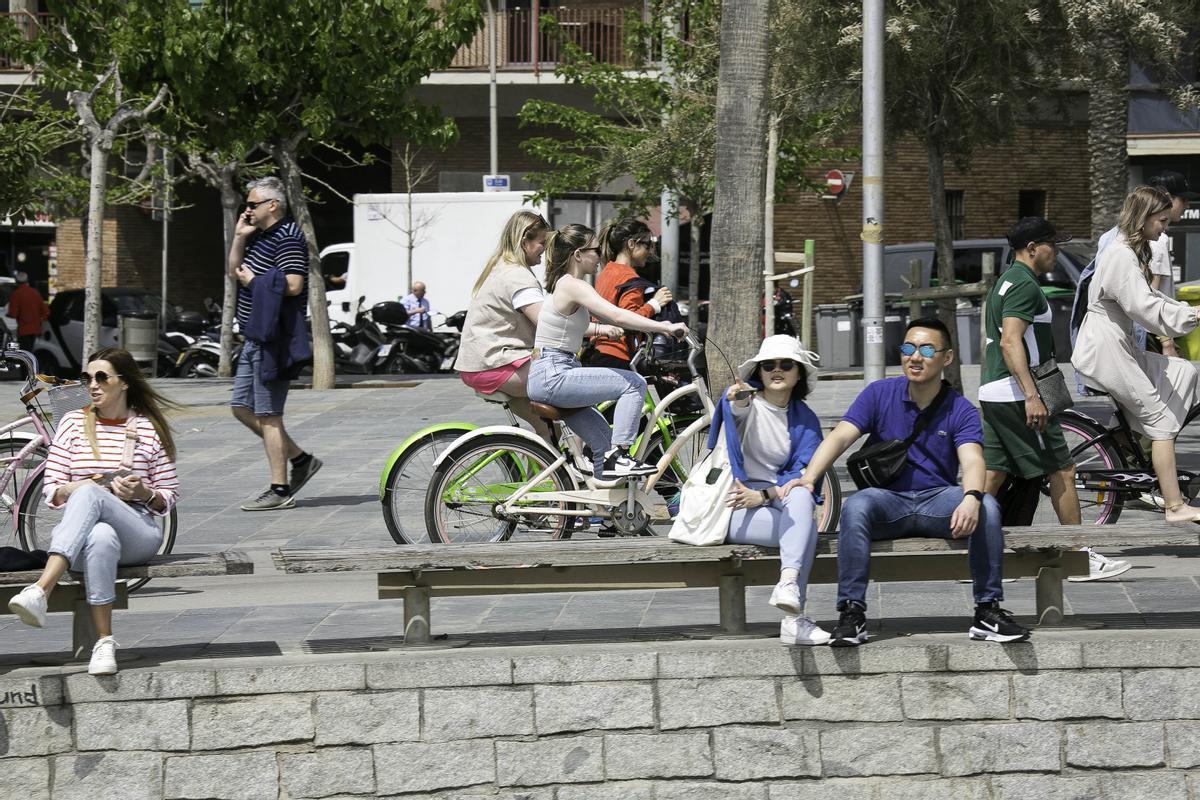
{"x":877,"y":465}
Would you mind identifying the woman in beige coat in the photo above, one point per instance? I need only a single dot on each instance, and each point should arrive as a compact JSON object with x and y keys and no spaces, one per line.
{"x":1155,"y":392}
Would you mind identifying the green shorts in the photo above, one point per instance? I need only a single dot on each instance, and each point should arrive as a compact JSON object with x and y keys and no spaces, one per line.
{"x":1009,"y":445}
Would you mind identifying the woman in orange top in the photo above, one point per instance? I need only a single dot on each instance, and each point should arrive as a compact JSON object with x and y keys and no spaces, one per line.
{"x":626,"y":245}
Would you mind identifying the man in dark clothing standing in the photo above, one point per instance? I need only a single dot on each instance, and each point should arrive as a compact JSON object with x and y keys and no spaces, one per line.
{"x":266,"y":239}
{"x":27,"y":307}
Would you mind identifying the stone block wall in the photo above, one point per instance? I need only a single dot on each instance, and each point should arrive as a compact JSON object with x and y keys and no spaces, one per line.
{"x":745,"y":721}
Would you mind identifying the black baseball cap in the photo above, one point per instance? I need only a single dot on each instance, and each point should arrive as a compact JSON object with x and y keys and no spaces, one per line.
{"x":1175,"y":184}
{"x":1034,"y":230}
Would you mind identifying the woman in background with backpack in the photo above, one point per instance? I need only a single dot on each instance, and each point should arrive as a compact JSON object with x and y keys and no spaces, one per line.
{"x":626,"y":245}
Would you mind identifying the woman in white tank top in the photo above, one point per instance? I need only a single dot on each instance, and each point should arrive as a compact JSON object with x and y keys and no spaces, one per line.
{"x":558,"y":379}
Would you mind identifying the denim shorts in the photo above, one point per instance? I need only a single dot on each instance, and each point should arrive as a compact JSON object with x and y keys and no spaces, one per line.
{"x":264,"y":398}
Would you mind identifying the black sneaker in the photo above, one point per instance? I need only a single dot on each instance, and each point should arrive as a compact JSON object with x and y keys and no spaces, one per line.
{"x":851,"y":630}
{"x":994,"y":624}
{"x":618,"y":465}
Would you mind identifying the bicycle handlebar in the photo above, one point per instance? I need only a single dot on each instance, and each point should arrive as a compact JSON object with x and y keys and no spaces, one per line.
{"x":13,"y":352}
{"x":695,"y":348}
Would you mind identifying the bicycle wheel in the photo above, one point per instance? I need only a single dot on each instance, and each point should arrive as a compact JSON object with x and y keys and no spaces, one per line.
{"x":1098,"y":503}
{"x":830,"y":512}
{"x":461,"y":504}
{"x":36,"y":521}
{"x":692,"y":453}
{"x":407,"y":481}
{"x":9,"y":448}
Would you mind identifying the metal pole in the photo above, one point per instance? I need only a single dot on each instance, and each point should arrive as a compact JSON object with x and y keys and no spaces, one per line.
{"x":493,"y":122}
{"x":872,"y":227}
{"x":166,"y":222}
{"x":769,"y":230}
{"x":806,"y":306}
{"x":670,"y":200}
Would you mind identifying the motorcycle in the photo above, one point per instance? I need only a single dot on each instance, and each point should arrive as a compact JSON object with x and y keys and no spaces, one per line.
{"x":413,"y":350}
{"x":360,"y":348}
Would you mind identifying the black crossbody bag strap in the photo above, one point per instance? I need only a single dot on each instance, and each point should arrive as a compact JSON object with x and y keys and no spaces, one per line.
{"x":926,"y":415}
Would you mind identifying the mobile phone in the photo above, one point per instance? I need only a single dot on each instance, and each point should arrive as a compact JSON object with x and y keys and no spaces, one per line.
{"x":106,"y":478}
{"x":744,"y":394}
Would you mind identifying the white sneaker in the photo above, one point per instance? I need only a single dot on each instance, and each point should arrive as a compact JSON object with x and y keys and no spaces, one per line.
{"x":104,"y":657}
{"x":786,"y":597}
{"x":30,"y":606}
{"x":802,"y":630}
{"x":1101,"y":567}
{"x":618,"y":465}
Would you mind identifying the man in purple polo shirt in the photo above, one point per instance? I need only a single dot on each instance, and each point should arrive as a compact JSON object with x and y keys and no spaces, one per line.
{"x":926,"y":498}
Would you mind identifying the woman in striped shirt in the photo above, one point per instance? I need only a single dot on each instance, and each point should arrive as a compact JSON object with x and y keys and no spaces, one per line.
{"x":112,"y":465}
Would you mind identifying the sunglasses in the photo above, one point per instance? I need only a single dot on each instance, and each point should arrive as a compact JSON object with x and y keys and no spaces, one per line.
{"x":783,"y":365}
{"x":253,"y":204}
{"x":595,"y":249}
{"x":101,"y":377}
{"x":926,"y":350}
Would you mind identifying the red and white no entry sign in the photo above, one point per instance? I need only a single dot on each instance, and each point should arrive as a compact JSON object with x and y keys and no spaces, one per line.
{"x":835,"y":182}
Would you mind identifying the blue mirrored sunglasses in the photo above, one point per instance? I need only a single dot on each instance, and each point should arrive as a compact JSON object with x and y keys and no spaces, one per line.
{"x":926,"y":350}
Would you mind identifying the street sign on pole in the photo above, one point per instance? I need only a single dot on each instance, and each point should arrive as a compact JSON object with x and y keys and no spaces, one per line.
{"x":495,"y":183}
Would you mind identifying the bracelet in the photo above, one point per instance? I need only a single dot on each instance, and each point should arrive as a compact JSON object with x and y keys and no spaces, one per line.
{"x":978,"y":495}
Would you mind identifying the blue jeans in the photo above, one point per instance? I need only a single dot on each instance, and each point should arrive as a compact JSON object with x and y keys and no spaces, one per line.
{"x":876,"y":514}
{"x":99,"y":532}
{"x":264,"y":398}
{"x":558,"y":379}
{"x":786,"y":524}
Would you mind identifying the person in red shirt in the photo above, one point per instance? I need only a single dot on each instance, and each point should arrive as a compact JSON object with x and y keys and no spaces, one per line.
{"x":28,"y":308}
{"x":626,"y":245}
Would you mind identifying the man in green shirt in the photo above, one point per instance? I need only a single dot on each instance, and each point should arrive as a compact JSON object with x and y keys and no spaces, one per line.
{"x":1019,"y":439}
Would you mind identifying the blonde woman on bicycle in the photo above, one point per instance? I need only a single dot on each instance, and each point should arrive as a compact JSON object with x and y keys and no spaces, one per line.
{"x":1155,"y":392}
{"x":497,"y":337}
{"x":112,"y":465}
{"x":557,"y":377}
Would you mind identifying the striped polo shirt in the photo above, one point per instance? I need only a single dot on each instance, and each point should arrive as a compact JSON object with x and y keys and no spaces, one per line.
{"x":71,"y":457}
{"x":281,"y":246}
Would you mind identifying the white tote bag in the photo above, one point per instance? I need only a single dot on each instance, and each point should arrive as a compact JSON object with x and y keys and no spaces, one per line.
{"x":703,"y":517}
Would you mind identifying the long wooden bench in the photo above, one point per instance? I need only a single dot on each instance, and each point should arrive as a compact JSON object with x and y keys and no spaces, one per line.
{"x":69,"y":595}
{"x":1047,"y":553}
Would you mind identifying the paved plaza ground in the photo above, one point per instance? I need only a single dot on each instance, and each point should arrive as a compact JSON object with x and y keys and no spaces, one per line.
{"x":353,"y":430}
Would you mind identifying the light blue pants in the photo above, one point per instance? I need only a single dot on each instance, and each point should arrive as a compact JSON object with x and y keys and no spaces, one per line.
{"x":558,"y":379}
{"x":786,"y":524}
{"x":99,"y":532}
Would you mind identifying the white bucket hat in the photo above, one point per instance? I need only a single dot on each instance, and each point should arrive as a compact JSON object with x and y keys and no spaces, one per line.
{"x":783,"y":346}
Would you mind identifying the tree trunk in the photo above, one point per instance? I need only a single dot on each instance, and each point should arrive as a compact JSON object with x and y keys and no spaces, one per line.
{"x":1108,"y":109}
{"x":943,"y":245}
{"x":98,"y":181}
{"x":696,"y":230}
{"x":318,"y":306}
{"x":769,"y":227}
{"x":736,"y":251}
{"x":230,"y":199}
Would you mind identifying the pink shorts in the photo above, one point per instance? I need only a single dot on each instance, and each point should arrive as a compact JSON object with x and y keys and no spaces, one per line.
{"x":489,"y":380}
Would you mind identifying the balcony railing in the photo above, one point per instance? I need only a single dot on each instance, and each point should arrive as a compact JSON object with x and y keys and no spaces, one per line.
{"x":522,"y":44}
{"x":28,"y":24}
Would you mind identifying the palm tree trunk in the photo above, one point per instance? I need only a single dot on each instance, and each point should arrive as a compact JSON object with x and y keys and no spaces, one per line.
{"x":318,"y":311}
{"x":1108,"y":108}
{"x":943,"y":245}
{"x":735,"y":273}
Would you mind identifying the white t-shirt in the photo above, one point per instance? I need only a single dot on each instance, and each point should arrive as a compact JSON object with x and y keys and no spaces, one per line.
{"x":528,"y":296}
{"x":1160,"y":264}
{"x":766,"y":443}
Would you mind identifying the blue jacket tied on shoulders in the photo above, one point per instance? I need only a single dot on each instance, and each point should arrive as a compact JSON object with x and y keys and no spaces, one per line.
{"x":277,"y":323}
{"x":804,"y":427}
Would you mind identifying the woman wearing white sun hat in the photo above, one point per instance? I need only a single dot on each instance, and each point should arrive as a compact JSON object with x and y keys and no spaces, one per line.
{"x":770,"y":435}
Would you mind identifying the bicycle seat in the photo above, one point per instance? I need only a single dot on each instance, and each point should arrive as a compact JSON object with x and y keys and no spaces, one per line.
{"x":551,"y":413}
{"x":494,"y":397}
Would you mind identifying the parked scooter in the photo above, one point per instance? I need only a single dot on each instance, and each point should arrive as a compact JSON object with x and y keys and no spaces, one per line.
{"x":361,"y":348}
{"x":412,"y":350}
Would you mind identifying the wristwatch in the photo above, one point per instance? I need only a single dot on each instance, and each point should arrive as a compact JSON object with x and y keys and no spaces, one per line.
{"x":978,"y":495}
{"x":766,"y":497}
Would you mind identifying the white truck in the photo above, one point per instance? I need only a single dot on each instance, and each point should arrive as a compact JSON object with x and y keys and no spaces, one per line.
{"x":452,"y":235}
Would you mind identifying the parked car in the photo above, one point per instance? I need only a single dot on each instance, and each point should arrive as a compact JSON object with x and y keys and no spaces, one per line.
{"x":1058,"y":284}
{"x":61,"y":341}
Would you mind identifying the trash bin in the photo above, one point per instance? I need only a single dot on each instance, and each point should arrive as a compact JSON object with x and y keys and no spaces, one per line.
{"x":838,"y":338}
{"x":1189,"y":346}
{"x":137,"y":332}
{"x":1060,"y":301}
{"x":967,"y":322}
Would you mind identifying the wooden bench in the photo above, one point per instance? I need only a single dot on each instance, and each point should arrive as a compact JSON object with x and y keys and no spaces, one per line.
{"x":69,"y":595}
{"x":416,"y":573}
